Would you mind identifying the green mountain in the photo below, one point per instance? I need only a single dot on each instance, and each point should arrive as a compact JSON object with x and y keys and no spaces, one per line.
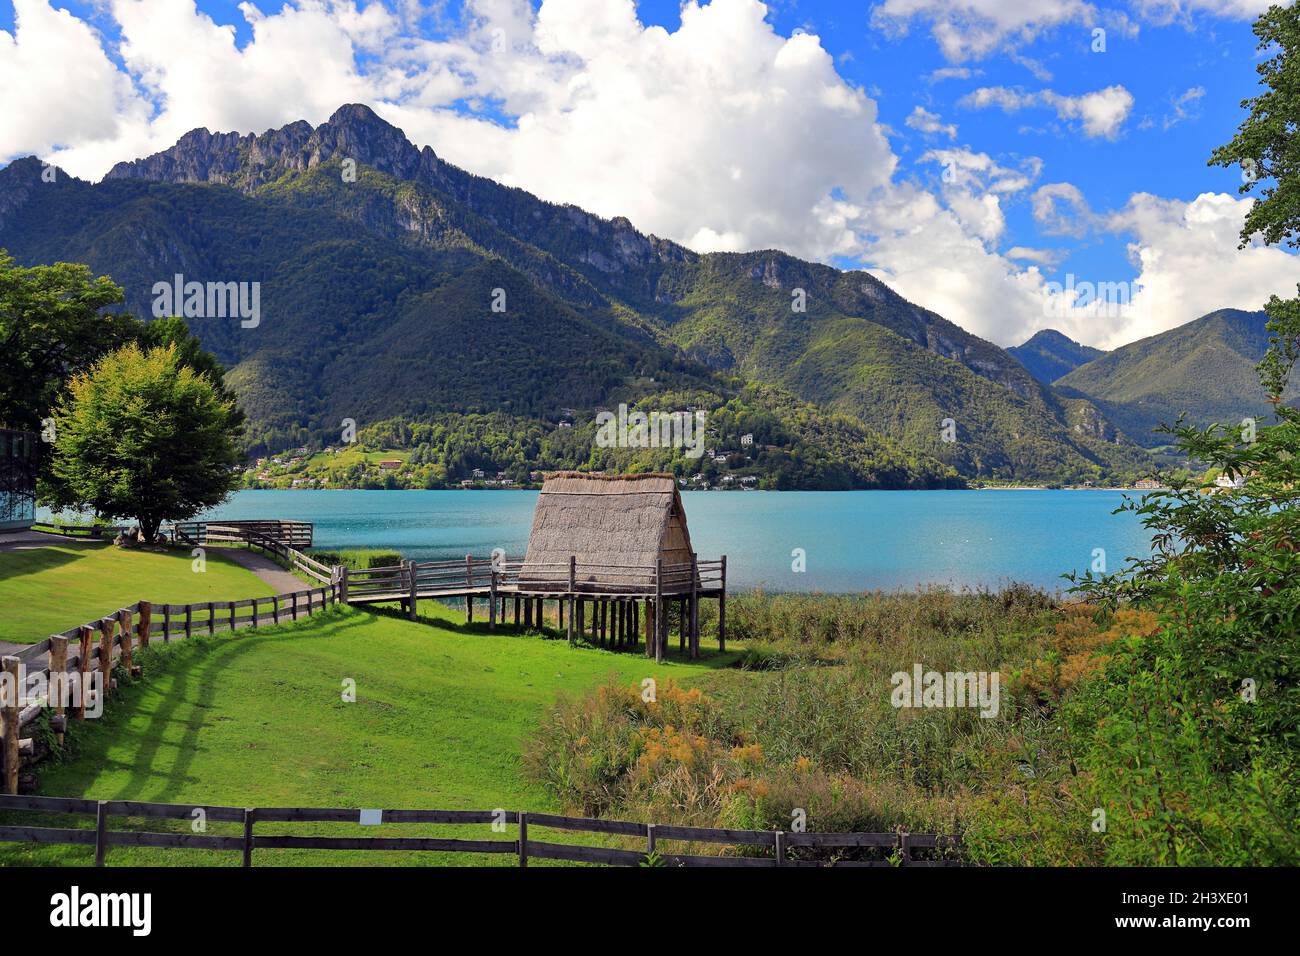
{"x":379,"y":266}
{"x":1048,"y":355}
{"x":1204,"y":369}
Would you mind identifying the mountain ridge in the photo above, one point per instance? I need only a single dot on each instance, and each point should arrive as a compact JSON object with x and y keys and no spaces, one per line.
{"x":1205,"y":368}
{"x":419,"y":244}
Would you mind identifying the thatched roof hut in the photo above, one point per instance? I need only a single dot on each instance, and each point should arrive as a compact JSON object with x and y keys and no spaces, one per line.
{"x":615,"y":525}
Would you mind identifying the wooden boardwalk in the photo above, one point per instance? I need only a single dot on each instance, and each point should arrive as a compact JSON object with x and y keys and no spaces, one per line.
{"x":614,"y":604}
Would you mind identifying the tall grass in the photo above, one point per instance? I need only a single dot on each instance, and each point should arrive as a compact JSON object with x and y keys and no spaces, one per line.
{"x":807,"y":727}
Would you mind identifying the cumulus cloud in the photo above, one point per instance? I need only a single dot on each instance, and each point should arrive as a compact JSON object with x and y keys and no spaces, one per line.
{"x":61,"y":88}
{"x":723,"y":134}
{"x":1099,"y":114}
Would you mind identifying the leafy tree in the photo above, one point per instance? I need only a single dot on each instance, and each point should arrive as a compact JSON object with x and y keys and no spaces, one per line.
{"x":142,"y":435}
{"x":1190,"y":739}
{"x":1267,"y":147}
{"x":173,"y":330}
{"x":52,"y":324}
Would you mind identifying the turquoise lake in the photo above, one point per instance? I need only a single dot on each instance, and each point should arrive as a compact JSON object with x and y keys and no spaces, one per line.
{"x":853,"y":541}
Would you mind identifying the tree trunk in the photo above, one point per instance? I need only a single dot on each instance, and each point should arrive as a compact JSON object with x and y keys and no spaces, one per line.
{"x":149,"y":528}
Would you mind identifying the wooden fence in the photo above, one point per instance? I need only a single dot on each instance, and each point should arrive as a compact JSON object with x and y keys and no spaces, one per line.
{"x":296,"y":534}
{"x":79,"y":531}
{"x":96,"y":645}
{"x":764,"y":848}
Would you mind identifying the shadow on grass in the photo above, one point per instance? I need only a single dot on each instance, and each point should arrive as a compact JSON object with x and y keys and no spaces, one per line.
{"x":24,"y":561}
{"x":212,"y":655}
{"x":709,"y":658}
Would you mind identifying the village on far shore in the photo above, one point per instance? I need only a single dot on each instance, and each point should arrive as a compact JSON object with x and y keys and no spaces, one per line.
{"x":354,"y":467}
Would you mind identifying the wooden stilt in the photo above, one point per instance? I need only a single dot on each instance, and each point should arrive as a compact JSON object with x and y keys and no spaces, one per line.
{"x":516,"y":610}
{"x":722,"y":607}
{"x":681,"y":624}
{"x":695,"y":607}
{"x":469,"y":583}
{"x":660,"y":639}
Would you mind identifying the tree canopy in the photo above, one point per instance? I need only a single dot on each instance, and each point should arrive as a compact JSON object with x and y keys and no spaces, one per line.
{"x":52,"y":324}
{"x":142,"y":435}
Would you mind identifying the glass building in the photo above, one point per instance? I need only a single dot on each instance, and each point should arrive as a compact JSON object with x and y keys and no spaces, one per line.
{"x":18,"y":452}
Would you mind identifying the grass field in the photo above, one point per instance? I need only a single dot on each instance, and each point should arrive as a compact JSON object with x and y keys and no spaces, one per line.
{"x":46,"y":590}
{"x":439,"y":721}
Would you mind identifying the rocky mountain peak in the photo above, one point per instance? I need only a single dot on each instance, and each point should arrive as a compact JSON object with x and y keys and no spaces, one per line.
{"x":247,"y":161}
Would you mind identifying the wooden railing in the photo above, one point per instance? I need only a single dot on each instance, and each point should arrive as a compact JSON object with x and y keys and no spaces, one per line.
{"x":78,"y":530}
{"x":765,"y":848}
{"x":295,"y":534}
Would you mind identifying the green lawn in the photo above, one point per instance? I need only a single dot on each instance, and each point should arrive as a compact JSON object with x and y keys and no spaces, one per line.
{"x":439,"y":722}
{"x":47,"y":590}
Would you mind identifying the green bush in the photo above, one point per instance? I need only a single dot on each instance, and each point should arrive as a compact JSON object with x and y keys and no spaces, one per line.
{"x":358,"y":559}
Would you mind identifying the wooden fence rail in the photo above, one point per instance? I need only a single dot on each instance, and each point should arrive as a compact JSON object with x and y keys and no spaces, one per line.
{"x":771,"y":846}
{"x":95,"y":646}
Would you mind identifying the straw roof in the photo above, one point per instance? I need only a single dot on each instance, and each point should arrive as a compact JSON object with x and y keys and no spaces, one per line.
{"x":609,"y":523}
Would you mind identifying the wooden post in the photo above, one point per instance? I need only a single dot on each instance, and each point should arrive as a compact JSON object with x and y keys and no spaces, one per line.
{"x":255,"y":613}
{"x":124,"y":620}
{"x":649,"y":839}
{"x":83,"y":667}
{"x":12,"y":708}
{"x":469,"y":583}
{"x":681,"y":624}
{"x":58,"y":665}
{"x":780,"y":848}
{"x":275,"y":609}
{"x":249,"y":814}
{"x":523,"y":838}
{"x":101,"y":831}
{"x":660,"y":637}
{"x":516,"y":610}
{"x":905,"y":848}
{"x":695,"y":606}
{"x":189,"y":620}
{"x":343,"y":583}
{"x":492,"y":600}
{"x":212,"y":616}
{"x":167,"y":623}
{"x":146,"y":622}
{"x":106,"y":653}
{"x":722,"y":607}
{"x":414,"y":588}
{"x":232,"y":616}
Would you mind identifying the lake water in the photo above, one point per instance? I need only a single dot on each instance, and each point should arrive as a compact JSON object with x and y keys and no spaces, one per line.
{"x":853,"y":540}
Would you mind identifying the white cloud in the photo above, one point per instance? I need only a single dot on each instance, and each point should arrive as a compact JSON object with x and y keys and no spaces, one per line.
{"x":1100,"y":114}
{"x":1184,"y":106}
{"x":722,"y":134}
{"x":951,"y":73}
{"x":60,"y":87}
{"x":929,"y":123}
{"x":1168,"y":11}
{"x":1188,"y":263}
{"x":974,"y":29}
{"x":1061,"y":210}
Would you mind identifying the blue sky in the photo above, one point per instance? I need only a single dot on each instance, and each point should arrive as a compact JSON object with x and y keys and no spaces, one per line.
{"x":729,"y":130}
